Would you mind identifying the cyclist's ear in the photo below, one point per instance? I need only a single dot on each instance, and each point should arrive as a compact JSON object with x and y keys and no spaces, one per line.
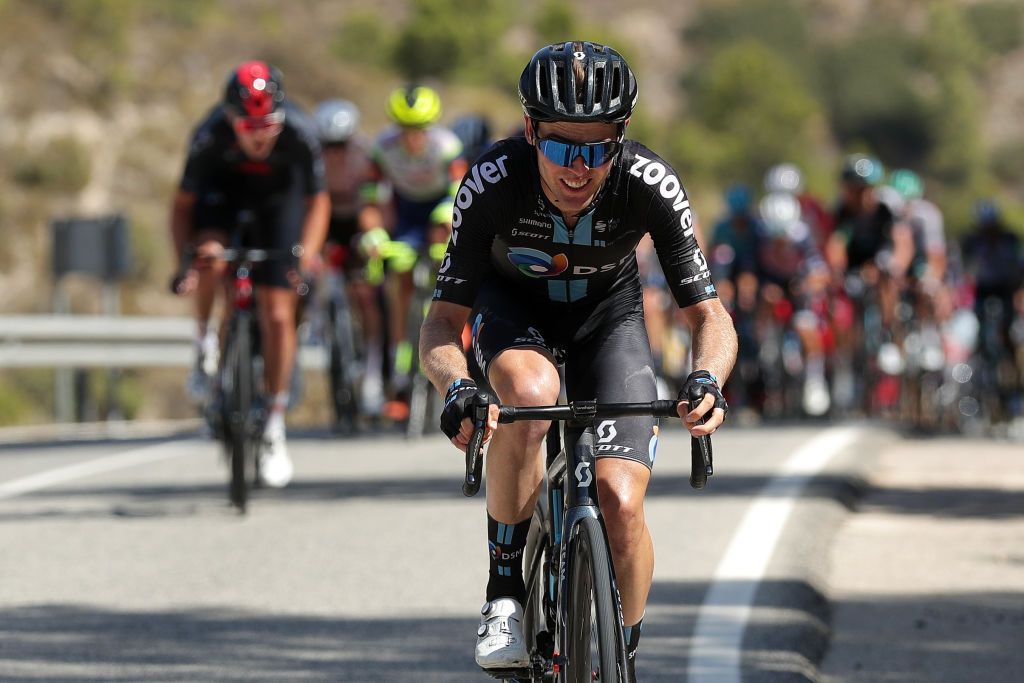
{"x":529,"y":129}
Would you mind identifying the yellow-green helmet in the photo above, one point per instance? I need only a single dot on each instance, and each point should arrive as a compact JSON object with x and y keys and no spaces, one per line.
{"x":414,"y":106}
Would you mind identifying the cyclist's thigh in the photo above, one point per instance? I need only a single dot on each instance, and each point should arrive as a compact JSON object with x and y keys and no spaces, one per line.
{"x":278,"y":227}
{"x":501,"y":321}
{"x":614,"y":365}
{"x":212,"y":216}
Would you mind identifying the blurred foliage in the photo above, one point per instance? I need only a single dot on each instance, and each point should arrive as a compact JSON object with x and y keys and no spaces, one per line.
{"x":1008,"y":163}
{"x":999,"y":26}
{"x":779,"y":25}
{"x":912,"y":97}
{"x":63,"y":165}
{"x":445,"y":38}
{"x":867,"y":84}
{"x":365,"y":38}
{"x":555,"y":21}
{"x":26,"y":396}
{"x":750,"y":111}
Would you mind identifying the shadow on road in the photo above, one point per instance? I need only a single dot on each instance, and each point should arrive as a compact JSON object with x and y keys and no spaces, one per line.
{"x":80,"y":643}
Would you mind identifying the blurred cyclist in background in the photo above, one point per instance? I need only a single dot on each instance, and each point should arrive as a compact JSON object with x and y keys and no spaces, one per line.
{"x":926,"y":224}
{"x":994,"y":261}
{"x":788,"y":179}
{"x":422,"y":163}
{"x":474,"y":132}
{"x":255,"y":154}
{"x":869,"y":252}
{"x":349,"y":169}
{"x":735,"y":243}
{"x":794,"y":282}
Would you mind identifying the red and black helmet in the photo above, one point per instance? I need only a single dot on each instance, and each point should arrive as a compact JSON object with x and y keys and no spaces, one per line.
{"x":551,"y":91}
{"x":254,"y":89}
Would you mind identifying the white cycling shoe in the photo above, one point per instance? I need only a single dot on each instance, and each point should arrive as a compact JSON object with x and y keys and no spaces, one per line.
{"x":276,"y":467}
{"x":500,"y":643}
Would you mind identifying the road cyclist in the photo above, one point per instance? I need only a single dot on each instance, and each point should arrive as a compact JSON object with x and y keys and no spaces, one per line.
{"x":542,"y":263}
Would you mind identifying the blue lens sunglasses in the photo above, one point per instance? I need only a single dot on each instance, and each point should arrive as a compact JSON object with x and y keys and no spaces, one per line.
{"x":564,"y":153}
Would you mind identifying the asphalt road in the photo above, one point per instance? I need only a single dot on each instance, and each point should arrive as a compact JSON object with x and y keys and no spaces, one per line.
{"x":121,"y":561}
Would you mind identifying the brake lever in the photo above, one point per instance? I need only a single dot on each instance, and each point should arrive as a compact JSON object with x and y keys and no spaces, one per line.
{"x":474,"y":451}
{"x":701,"y":454}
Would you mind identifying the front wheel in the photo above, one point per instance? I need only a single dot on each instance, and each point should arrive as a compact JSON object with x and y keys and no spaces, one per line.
{"x":238,"y":398}
{"x":592,"y":641}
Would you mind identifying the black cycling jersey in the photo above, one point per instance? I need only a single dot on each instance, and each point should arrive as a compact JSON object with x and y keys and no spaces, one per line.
{"x":505,"y":228}
{"x":216,"y":162}
{"x":865,"y":234}
{"x":272,"y":191}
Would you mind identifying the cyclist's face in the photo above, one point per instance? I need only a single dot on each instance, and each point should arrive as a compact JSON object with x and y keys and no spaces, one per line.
{"x":572,"y":188}
{"x":256,"y":137}
{"x":414,"y":140}
{"x":858,"y":196}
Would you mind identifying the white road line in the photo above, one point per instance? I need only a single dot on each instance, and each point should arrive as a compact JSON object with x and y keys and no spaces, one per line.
{"x":718,"y":635}
{"x":139,"y":456}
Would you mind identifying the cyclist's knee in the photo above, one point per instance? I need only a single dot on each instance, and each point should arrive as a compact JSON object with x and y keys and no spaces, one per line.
{"x":622,"y":505}
{"x":524,"y":377}
{"x":278,"y":312}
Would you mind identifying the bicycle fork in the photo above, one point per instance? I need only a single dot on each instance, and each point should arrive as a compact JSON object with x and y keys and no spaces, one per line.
{"x":572,"y":502}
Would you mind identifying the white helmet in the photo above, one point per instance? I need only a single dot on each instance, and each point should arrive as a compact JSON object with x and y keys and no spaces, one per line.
{"x":780,"y":215}
{"x":336,"y":120}
{"x":783,"y":178}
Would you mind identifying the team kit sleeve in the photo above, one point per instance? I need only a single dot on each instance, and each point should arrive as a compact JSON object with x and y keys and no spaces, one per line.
{"x":671,"y":222}
{"x":468,"y":257}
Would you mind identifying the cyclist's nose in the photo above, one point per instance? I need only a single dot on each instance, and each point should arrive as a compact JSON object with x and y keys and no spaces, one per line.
{"x":578,"y":165}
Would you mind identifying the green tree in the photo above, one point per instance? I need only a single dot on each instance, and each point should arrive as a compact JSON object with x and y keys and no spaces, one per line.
{"x":445,"y":37}
{"x":756,"y":110}
{"x":555,"y":21}
{"x":868,"y":84}
{"x":364,"y":38}
{"x":955,"y":59}
{"x":780,"y":25}
{"x":997,"y":25}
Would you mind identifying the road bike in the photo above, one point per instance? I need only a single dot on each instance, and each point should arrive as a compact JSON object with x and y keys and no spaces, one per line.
{"x":236,"y":411}
{"x":572,"y":616}
{"x":340,"y":338}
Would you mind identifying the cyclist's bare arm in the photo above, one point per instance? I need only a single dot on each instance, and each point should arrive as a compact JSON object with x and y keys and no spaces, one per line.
{"x":441,"y":354}
{"x":902,"y":248}
{"x":443,"y":360}
{"x":714,"y":350}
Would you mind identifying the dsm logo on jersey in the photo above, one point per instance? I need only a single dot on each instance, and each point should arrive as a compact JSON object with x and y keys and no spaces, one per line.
{"x":533,"y":263}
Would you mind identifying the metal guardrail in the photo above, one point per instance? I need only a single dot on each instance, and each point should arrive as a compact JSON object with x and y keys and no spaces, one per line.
{"x":88,"y":341}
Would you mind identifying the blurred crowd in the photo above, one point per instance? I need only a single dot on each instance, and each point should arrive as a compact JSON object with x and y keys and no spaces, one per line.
{"x":865,"y":308}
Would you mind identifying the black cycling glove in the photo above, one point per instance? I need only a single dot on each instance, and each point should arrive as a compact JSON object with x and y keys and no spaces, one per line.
{"x":457,"y":405}
{"x":699,"y":384}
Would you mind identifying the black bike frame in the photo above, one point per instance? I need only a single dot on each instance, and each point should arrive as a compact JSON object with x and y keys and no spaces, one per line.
{"x":577,"y":497}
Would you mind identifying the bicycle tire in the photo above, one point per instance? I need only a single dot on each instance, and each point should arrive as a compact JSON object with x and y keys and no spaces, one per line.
{"x":239,"y":404}
{"x":342,"y":354}
{"x":419,"y":406}
{"x":535,"y":620}
{"x":593,"y":610}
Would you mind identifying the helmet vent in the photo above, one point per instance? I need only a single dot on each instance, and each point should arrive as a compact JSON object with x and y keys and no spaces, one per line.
{"x":560,"y":91}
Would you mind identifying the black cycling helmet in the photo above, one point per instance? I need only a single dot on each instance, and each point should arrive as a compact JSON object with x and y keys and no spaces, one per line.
{"x":551,"y":91}
{"x":474,"y":132}
{"x":254,"y":89}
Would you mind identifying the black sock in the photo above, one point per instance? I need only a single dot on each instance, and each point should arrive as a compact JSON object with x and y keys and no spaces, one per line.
{"x":631,"y":634}
{"x":505,"y":543}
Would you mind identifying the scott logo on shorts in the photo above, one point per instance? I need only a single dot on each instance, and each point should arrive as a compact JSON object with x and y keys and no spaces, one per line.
{"x":533,"y":263}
